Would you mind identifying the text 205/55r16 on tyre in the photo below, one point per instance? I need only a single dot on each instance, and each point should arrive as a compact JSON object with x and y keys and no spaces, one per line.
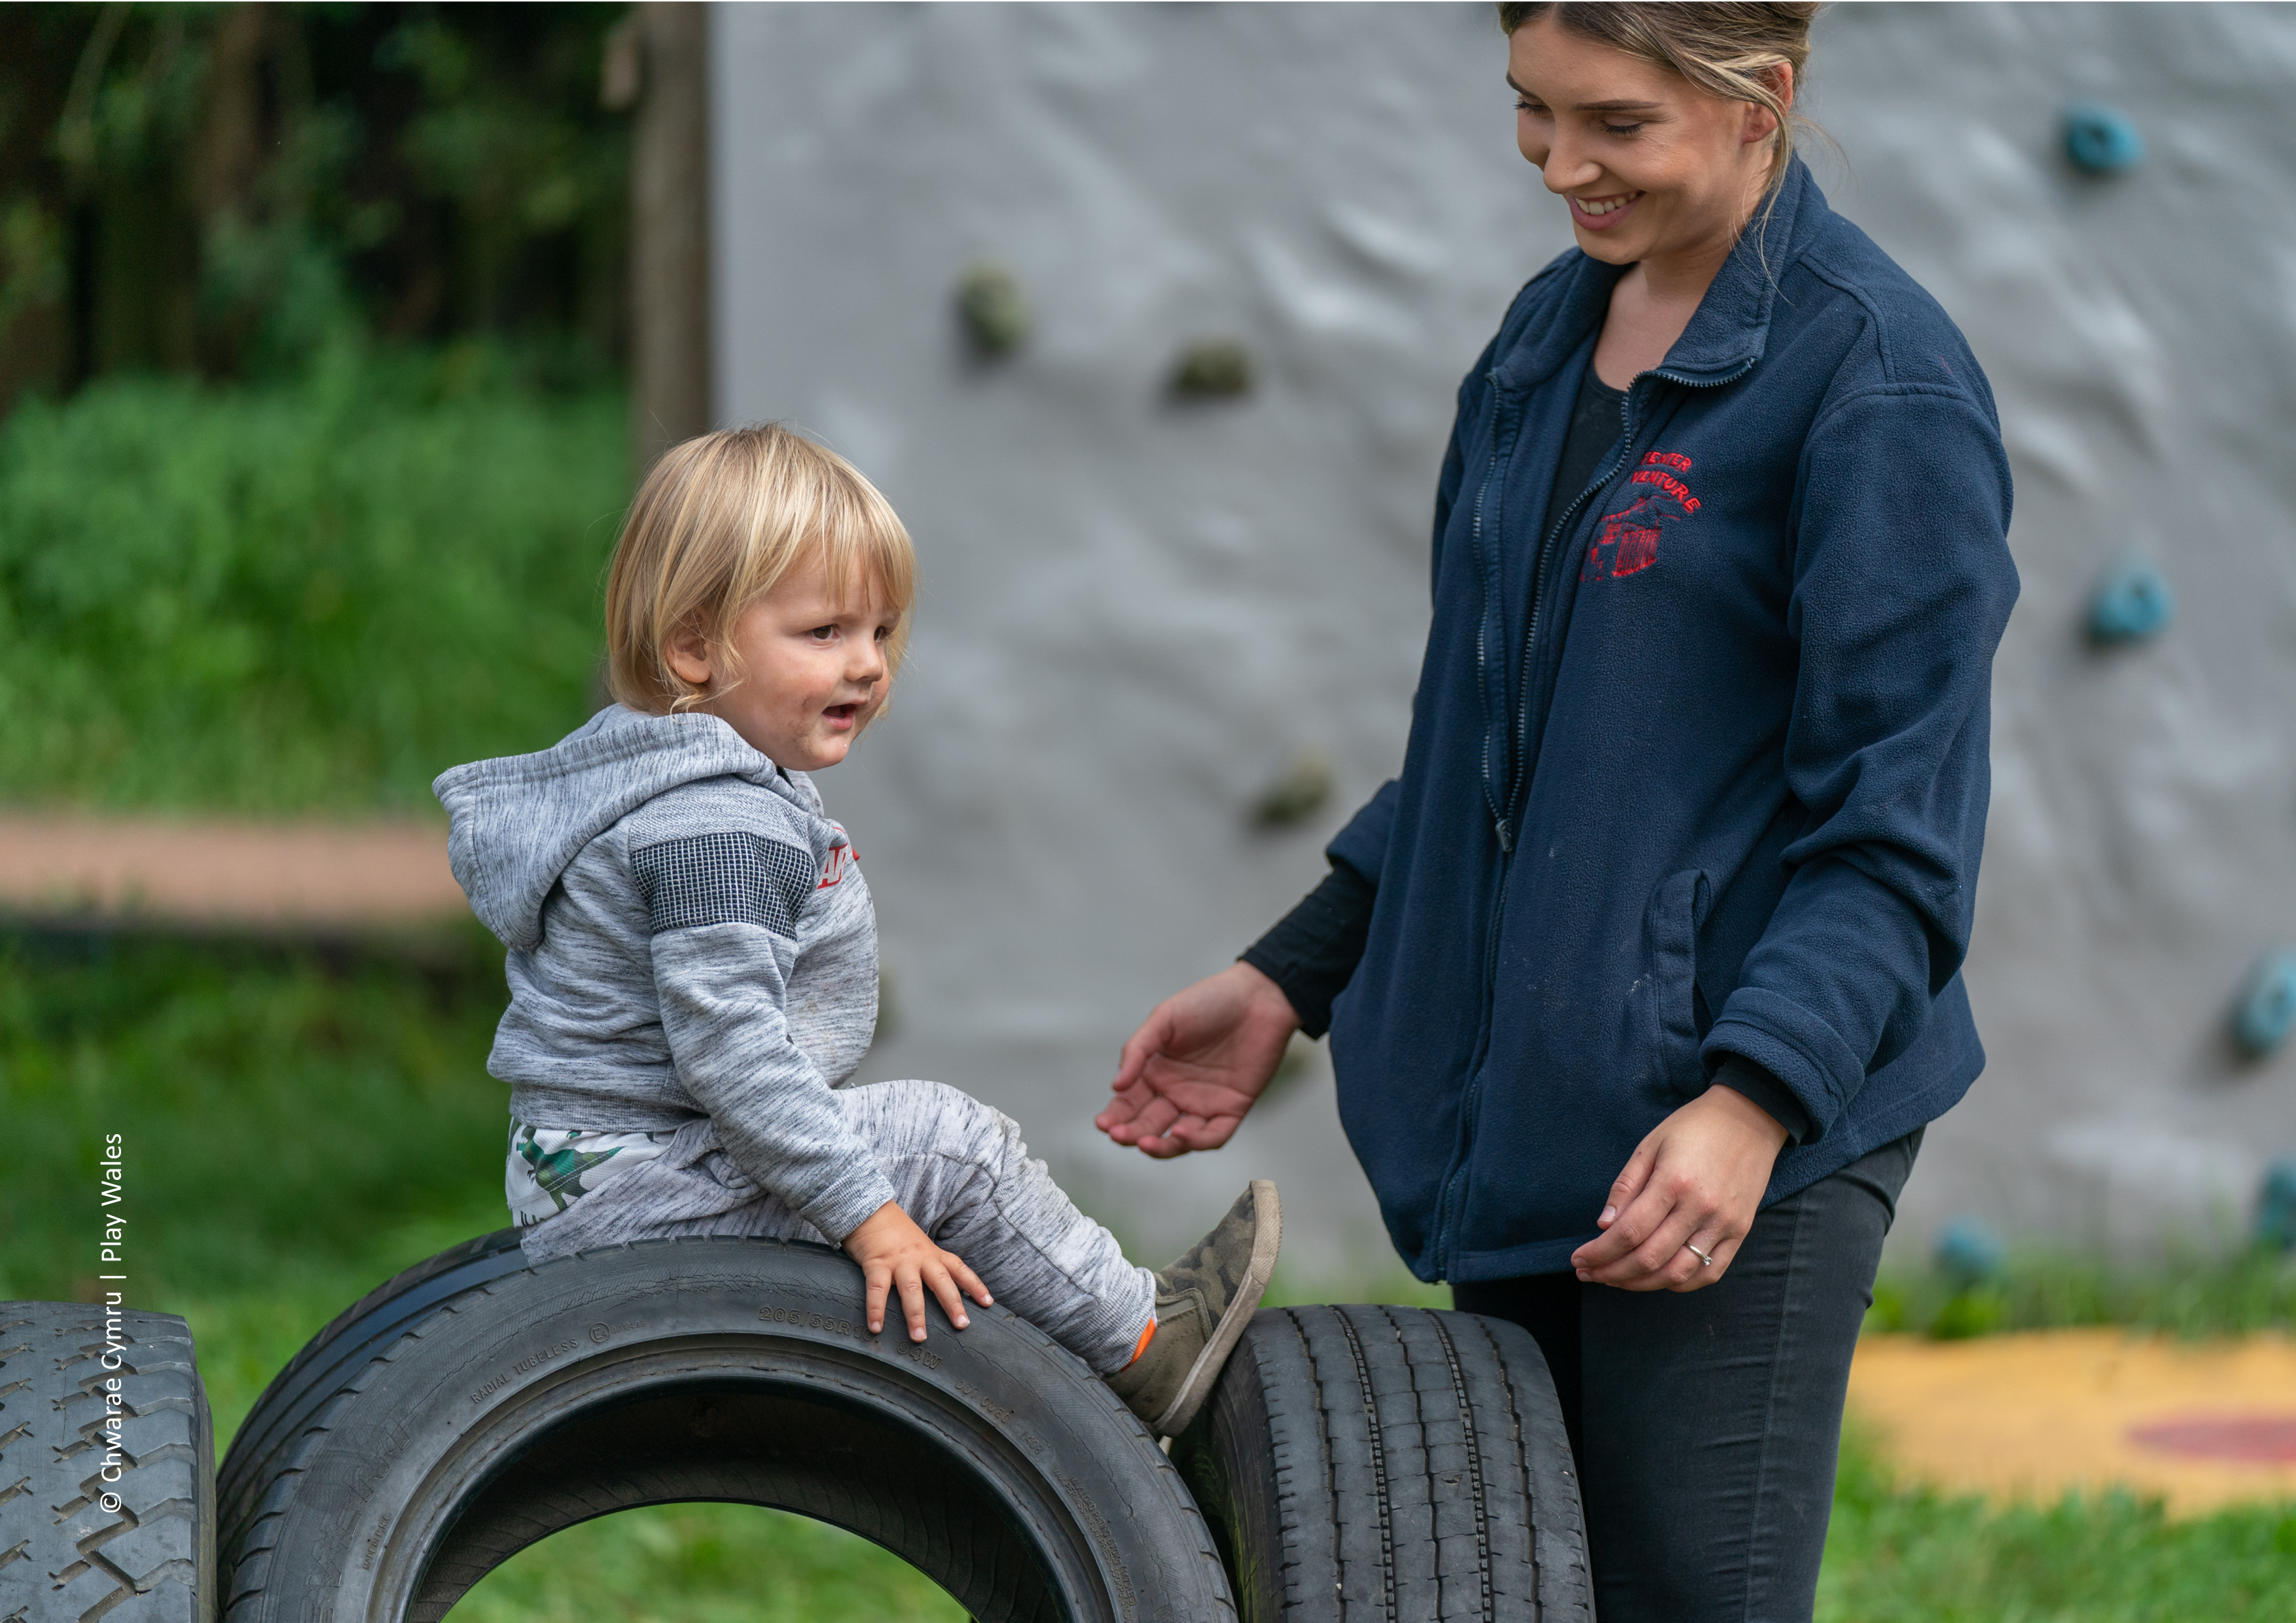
{"x":476,"y":1404}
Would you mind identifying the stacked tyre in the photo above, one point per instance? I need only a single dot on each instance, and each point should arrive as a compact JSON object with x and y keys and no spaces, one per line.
{"x":107,"y":1467}
{"x":1355,"y":1463}
{"x":1389,"y":1464}
{"x":476,"y":1405}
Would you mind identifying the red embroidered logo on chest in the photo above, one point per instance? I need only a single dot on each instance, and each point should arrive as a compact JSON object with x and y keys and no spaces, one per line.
{"x":1627,"y":542}
{"x":840,"y":857}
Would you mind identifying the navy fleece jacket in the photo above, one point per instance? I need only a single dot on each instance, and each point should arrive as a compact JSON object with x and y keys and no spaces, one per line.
{"x":1699,"y":772}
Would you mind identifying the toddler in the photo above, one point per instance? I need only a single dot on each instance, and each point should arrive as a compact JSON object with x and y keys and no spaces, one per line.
{"x":692,"y":957}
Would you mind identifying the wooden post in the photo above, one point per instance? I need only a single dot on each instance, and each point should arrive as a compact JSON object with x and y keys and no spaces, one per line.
{"x":659,"y":60}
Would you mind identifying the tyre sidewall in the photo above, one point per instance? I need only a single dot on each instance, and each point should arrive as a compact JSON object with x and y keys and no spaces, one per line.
{"x":422,"y":1424}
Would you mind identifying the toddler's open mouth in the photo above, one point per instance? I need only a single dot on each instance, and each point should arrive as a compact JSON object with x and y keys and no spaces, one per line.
{"x":844,"y":715}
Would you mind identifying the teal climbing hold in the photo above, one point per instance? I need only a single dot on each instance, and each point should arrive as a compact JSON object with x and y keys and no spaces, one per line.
{"x":2101,"y":140}
{"x":2132,"y":603}
{"x":1968,"y":1253}
{"x":2267,"y":1011}
{"x":2275,"y":1207}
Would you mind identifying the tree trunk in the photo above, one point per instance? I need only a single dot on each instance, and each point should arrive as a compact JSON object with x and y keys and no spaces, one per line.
{"x":669,"y":232}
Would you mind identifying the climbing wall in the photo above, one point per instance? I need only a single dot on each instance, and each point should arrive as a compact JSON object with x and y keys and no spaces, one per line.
{"x":2139,"y":327}
{"x":1149,"y":319}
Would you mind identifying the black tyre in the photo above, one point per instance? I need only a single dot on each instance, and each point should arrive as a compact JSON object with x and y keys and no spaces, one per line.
{"x":1390,"y":1464}
{"x":107,"y":1467}
{"x":476,"y":1404}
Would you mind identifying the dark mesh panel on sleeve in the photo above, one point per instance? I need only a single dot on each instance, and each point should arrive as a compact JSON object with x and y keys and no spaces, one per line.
{"x":723,"y":879}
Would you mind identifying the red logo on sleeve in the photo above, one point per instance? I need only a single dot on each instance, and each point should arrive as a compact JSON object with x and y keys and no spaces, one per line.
{"x":1627,"y":542}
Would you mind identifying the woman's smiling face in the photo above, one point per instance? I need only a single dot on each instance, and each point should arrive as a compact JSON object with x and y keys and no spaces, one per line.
{"x":1653,"y":166}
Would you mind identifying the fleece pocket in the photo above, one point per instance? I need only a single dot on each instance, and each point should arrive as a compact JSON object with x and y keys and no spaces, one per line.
{"x":1671,"y":925}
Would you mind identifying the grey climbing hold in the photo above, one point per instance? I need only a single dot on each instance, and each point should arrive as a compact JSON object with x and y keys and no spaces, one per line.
{"x":2275,"y":1207}
{"x":994,"y":309}
{"x":2267,"y":1011}
{"x":2133,"y":603}
{"x":1968,"y":1253}
{"x":1214,"y":368}
{"x":1297,"y":794}
{"x":2100,"y":140}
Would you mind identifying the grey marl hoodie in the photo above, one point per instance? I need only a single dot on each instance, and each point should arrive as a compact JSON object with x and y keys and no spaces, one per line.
{"x":689,"y":939}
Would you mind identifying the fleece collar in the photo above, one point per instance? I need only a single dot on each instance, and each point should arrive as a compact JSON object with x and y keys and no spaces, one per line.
{"x":1732,"y":324}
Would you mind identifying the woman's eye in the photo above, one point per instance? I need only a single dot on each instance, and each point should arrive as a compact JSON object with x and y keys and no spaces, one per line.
{"x":1621,"y":129}
{"x":1523,"y":104}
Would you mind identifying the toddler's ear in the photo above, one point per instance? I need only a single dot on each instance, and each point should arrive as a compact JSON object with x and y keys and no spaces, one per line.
{"x":687,"y":653}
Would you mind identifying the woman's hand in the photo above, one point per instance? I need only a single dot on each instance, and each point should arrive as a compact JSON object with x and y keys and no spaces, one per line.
{"x":1697,"y":1180}
{"x":1198,"y":1063}
{"x":894,"y":1252}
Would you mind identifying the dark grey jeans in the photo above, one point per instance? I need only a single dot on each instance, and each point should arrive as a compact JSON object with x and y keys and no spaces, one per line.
{"x":1706,"y":1425}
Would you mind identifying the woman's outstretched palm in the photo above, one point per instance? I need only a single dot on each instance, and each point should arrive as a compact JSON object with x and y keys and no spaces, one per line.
{"x":1198,"y":1063}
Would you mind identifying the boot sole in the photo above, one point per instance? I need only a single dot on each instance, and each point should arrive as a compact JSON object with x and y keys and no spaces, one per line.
{"x":1267,"y":1239}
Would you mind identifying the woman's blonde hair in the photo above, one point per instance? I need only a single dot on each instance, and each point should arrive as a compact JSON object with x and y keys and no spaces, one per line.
{"x":1730,"y":50}
{"x":720,"y":520}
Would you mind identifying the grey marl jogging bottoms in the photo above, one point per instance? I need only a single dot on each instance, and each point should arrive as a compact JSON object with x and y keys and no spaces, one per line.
{"x":957,"y":1167}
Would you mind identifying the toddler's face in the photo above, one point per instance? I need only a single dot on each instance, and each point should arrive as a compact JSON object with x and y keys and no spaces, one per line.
{"x":816,"y":670}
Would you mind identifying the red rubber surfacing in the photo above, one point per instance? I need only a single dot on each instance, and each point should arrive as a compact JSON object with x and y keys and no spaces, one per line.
{"x":2262,"y":1440}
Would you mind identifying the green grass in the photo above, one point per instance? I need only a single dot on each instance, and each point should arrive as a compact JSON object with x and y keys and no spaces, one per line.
{"x":313,"y":596}
{"x":707,"y":1564}
{"x":297,"y":1127}
{"x":1895,"y":1555}
{"x":2224,"y":1294}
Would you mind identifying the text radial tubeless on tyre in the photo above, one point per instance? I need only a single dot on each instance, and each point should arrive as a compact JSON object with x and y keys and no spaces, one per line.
{"x":401,"y":1464}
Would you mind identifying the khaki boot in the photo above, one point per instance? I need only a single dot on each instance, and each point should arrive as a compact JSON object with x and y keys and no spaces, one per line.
{"x":1203,"y":1301}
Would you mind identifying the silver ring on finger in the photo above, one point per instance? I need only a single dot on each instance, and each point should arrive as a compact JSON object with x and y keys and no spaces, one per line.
{"x":1705,"y":1258}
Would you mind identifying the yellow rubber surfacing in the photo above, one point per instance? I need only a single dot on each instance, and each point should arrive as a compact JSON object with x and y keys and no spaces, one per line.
{"x":2039,"y":1413}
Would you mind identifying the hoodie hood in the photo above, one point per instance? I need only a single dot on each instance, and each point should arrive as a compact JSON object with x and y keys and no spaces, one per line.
{"x":519,"y":820}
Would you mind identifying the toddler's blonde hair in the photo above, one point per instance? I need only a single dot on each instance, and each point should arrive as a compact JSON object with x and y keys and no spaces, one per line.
{"x":716,"y":526}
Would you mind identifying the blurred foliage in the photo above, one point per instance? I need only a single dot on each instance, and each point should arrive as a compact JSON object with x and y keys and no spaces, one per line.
{"x":1894,"y":1555}
{"x":2203,"y":1295}
{"x":315,"y":595}
{"x":284,"y":1113}
{"x":230,"y":189}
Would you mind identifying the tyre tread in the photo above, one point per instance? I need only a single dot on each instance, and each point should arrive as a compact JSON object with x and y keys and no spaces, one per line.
{"x":1410,"y":1463}
{"x":64,"y":1555}
{"x":1355,"y":1381}
{"x":1471,"y":1444}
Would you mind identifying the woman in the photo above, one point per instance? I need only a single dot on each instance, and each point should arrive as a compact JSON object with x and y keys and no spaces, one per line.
{"x":1650,"y":954}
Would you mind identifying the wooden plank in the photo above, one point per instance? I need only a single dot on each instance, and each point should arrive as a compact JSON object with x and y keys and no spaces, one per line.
{"x":287,"y":875}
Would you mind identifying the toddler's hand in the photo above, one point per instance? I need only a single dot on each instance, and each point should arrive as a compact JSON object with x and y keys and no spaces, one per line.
{"x":894,"y":1251}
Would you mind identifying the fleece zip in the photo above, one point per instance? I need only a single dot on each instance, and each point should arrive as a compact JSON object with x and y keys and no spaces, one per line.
{"x":1700,"y":769}
{"x":691,"y":946}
